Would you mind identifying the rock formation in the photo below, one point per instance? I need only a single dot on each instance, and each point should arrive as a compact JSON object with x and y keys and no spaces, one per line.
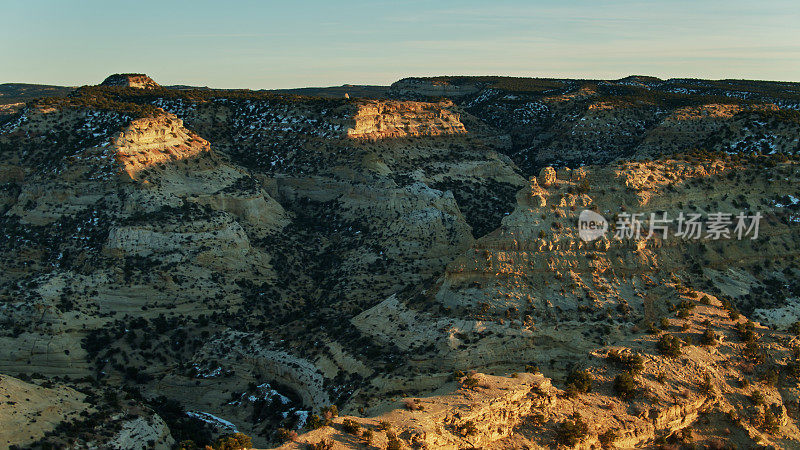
{"x":131,"y":80}
{"x":387,"y":119}
{"x":150,"y":142}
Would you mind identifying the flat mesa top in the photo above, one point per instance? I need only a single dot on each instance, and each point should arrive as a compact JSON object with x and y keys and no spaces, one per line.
{"x":135,"y":80}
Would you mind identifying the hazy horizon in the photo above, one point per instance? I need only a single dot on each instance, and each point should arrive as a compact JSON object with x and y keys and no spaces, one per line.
{"x":314,"y":43}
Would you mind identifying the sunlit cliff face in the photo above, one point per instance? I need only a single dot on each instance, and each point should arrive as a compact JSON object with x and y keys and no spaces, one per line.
{"x":153,"y":141}
{"x":393,"y":119}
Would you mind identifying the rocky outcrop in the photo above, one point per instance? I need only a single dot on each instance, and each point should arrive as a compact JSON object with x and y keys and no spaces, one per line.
{"x":142,"y":433}
{"x":461,"y":418}
{"x":394,"y":119}
{"x":132,"y":80}
{"x":147,"y":143}
{"x":488,"y":416}
{"x":547,"y":176}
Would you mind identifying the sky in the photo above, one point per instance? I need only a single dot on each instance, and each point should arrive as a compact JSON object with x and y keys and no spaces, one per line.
{"x":270,"y":44}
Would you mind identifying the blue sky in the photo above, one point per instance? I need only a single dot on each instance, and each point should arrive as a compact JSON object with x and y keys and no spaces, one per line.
{"x":269,"y":44}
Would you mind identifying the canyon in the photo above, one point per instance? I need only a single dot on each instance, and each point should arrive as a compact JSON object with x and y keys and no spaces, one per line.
{"x":400,"y":269}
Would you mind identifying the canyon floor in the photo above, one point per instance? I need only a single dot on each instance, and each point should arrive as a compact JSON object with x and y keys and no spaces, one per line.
{"x":401,"y":268}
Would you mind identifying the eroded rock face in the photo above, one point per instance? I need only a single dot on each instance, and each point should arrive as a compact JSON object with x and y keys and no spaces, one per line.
{"x":222,"y":234}
{"x":394,"y":119}
{"x":150,"y":142}
{"x":142,"y":433}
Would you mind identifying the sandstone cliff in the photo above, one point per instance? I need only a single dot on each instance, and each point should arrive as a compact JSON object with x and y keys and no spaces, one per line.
{"x":147,"y":143}
{"x":388,"y":119}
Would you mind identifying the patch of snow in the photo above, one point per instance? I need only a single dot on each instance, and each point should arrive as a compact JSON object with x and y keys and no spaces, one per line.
{"x":213,"y":420}
{"x":302,"y":418}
